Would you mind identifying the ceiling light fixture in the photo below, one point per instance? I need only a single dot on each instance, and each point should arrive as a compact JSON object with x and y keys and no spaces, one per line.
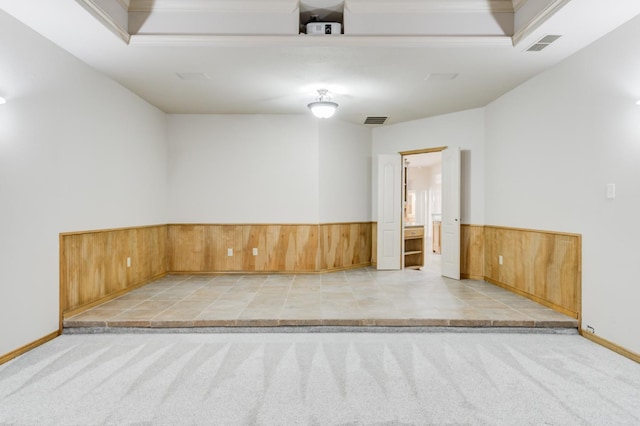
{"x":323,"y":108}
{"x":2,"y":100}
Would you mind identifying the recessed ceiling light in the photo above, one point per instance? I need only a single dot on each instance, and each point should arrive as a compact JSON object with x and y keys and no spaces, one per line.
{"x":441,"y":76}
{"x":193,"y":76}
{"x":2,"y":100}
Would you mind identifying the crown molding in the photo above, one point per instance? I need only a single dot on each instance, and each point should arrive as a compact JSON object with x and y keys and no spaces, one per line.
{"x":244,"y":6}
{"x":432,"y":6}
{"x":538,"y":20}
{"x":124,"y":4}
{"x":313,"y":41}
{"x":517,"y":4}
{"x":105,"y":19}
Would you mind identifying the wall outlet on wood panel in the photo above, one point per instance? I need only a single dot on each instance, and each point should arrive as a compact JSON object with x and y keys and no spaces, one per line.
{"x":229,"y":252}
{"x":129,"y":262}
{"x":255,"y":251}
{"x":500,"y":260}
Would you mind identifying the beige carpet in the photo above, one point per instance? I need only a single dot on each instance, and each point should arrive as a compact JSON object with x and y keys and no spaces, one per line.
{"x":320,"y":379}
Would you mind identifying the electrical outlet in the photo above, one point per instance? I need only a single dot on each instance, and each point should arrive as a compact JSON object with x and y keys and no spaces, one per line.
{"x":255,"y":251}
{"x":591,"y":329}
{"x":500,"y":260}
{"x":128,"y":262}
{"x":229,"y":252}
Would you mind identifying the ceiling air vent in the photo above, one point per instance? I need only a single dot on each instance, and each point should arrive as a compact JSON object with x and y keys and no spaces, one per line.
{"x":543,"y":42}
{"x":375,"y":120}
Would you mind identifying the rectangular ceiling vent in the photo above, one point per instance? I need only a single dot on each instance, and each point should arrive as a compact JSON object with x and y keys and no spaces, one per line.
{"x":375,"y":120}
{"x":543,"y":43}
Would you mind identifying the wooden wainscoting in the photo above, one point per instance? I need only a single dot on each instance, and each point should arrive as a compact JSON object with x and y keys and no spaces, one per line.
{"x":345,"y":245}
{"x":540,"y":265}
{"x":544,"y":266}
{"x":93,"y":264}
{"x":281,"y":248}
{"x":203,"y":248}
{"x":472,"y":252}
{"x":374,"y":243}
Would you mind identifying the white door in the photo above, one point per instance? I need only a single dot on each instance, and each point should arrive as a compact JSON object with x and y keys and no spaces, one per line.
{"x":389,"y":211}
{"x":451,"y":212}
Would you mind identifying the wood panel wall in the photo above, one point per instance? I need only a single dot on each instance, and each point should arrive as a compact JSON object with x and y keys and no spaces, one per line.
{"x":203,"y":248}
{"x":93,"y":265}
{"x":544,"y":266}
{"x":472,"y":252}
{"x":345,"y":245}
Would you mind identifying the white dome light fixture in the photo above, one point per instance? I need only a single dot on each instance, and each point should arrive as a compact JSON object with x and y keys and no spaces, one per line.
{"x":323,"y":108}
{"x":2,"y":100}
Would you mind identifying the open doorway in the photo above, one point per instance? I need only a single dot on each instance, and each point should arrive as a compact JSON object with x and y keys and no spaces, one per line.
{"x":422,"y":211}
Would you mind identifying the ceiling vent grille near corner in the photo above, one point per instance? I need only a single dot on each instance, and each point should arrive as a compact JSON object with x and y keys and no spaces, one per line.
{"x":543,"y":43}
{"x":375,"y":120}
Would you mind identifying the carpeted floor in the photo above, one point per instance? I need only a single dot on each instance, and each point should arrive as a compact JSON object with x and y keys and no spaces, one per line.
{"x":320,"y":379}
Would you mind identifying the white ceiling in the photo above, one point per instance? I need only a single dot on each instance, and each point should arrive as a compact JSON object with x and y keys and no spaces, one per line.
{"x":247,"y":56}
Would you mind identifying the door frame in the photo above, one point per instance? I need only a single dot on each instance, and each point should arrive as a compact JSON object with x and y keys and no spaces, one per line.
{"x":402,"y":156}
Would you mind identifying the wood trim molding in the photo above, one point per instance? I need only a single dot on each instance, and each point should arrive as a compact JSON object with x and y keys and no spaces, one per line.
{"x":423,"y":151}
{"x":539,"y":231}
{"x":97,"y":231}
{"x":26,"y":348}
{"x":471,"y":277}
{"x":610,"y":345}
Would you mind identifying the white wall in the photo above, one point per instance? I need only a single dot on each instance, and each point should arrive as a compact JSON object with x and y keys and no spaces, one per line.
{"x":243,"y":169}
{"x":267,"y":169}
{"x":552,"y":146}
{"x":345,"y":172}
{"x":464,"y":129}
{"x":77,"y":151}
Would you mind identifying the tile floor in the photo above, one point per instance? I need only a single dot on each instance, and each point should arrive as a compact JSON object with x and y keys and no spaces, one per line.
{"x":361,"y":297}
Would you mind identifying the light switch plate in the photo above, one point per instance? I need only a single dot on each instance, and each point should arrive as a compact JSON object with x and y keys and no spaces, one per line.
{"x":611,"y":191}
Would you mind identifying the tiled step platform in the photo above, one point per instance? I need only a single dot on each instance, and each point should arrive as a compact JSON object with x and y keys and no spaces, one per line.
{"x":356,"y":298}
